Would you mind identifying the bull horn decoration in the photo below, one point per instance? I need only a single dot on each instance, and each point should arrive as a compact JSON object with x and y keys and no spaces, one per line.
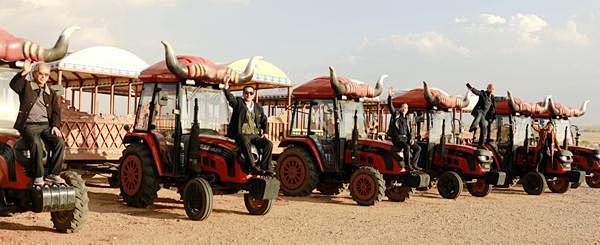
{"x":17,"y":49}
{"x":209,"y":72}
{"x":512,"y":103}
{"x":444,"y":100}
{"x":523,"y":107}
{"x":565,"y":111}
{"x":353,"y":88}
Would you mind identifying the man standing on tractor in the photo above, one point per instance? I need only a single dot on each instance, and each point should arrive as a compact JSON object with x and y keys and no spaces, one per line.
{"x":483,"y":112}
{"x":248,"y":125}
{"x":547,"y":143}
{"x":399,"y":132}
{"x":39,"y":119}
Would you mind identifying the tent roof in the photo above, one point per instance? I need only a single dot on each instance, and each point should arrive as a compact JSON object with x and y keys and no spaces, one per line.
{"x":266,"y":74}
{"x":97,"y":65}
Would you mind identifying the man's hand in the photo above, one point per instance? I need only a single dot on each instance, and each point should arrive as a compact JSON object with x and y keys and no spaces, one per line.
{"x":26,"y":67}
{"x":469,"y":86}
{"x":263,"y":135}
{"x":56,"y":132}
{"x":412,"y":141}
{"x":390,"y":91}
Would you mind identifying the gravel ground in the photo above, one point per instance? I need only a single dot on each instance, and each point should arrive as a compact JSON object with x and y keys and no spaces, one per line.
{"x":504,"y":217}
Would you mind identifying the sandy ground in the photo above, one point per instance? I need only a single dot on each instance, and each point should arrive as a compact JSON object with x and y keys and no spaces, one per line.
{"x":506,"y":216}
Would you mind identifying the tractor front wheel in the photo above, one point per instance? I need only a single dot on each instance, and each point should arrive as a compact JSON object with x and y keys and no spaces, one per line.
{"x":257,"y":206}
{"x":534,"y":183}
{"x":398,"y":193}
{"x":559,"y":185}
{"x":480,"y":188}
{"x":72,"y":220}
{"x":367,"y":186}
{"x":450,"y":185}
{"x":197,"y":199}
{"x":593,"y":180}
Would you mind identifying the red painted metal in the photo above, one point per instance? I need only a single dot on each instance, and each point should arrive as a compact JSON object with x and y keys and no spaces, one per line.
{"x":306,"y":142}
{"x":159,"y":72}
{"x":152,"y":145}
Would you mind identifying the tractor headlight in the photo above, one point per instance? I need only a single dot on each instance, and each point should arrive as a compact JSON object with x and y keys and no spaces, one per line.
{"x":482,"y":158}
{"x":566,"y":165}
{"x":563,"y":159}
{"x":597,"y":156}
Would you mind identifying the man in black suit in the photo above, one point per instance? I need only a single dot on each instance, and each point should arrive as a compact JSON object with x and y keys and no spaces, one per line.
{"x":248,"y":125}
{"x":484,"y":111}
{"x":400,"y":134}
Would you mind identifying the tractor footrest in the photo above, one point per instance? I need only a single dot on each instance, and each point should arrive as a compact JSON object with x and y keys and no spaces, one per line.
{"x":576,"y":176}
{"x":418,"y":179}
{"x":264,"y":188}
{"x":495,"y":177}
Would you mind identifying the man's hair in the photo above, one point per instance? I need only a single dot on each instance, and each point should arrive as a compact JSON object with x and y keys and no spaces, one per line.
{"x":38,"y":65}
{"x":247,"y":86}
{"x":550,"y":123}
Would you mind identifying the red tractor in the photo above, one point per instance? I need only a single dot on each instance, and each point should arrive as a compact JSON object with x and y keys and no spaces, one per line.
{"x":443,"y":157}
{"x":515,"y":151}
{"x":67,"y":203}
{"x":327,"y":146}
{"x":177,"y":140}
{"x":584,"y":158}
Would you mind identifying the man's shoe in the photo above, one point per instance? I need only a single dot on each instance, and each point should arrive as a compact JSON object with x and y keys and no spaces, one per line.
{"x":39,"y":181}
{"x":56,"y":179}
{"x":270,"y":173}
{"x":256,"y":171}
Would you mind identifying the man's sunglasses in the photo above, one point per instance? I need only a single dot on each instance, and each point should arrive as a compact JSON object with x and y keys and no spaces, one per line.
{"x":249,"y":92}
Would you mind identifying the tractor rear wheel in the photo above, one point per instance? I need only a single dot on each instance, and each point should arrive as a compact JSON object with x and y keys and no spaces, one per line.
{"x":198,"y":199}
{"x":450,"y":185}
{"x":139,"y":181}
{"x":534,"y":183}
{"x":480,"y":188}
{"x":297,"y":172}
{"x":593,"y":180}
{"x":257,"y":206}
{"x":72,"y":220}
{"x":367,"y":186}
{"x":398,"y":193}
{"x":559,"y":185}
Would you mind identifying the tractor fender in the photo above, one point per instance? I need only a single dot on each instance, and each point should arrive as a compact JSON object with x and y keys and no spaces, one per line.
{"x":7,"y":158}
{"x":150,"y":142}
{"x":307,"y":144}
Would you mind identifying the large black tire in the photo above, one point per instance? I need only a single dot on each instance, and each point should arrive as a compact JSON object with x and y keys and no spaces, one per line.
{"x":480,"y":188}
{"x":330,"y":187}
{"x":398,"y":193}
{"x":256,"y":206}
{"x":198,"y":199}
{"x":534,"y":183}
{"x":367,"y":186}
{"x":138,"y":177}
{"x":593,"y":180}
{"x":559,"y":185}
{"x":72,"y":220}
{"x":297,"y":172}
{"x":450,"y":185}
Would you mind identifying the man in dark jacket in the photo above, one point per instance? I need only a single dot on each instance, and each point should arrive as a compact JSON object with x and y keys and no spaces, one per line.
{"x":484,"y":111}
{"x":399,"y":132}
{"x":38,"y":120}
{"x":248,"y":125}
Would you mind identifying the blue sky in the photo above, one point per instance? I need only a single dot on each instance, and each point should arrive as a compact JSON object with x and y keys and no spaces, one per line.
{"x":533,"y":48}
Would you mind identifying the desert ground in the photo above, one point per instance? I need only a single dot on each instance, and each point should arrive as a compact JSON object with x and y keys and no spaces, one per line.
{"x":504,"y":217}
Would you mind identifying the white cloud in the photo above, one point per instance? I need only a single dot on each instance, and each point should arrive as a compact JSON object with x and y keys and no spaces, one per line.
{"x":427,"y":42}
{"x":460,"y":20}
{"x":571,"y":35}
{"x":527,"y":25}
{"x":491,"y":19}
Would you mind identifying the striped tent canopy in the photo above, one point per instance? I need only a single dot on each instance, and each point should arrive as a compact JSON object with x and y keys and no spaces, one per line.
{"x":266,"y":75}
